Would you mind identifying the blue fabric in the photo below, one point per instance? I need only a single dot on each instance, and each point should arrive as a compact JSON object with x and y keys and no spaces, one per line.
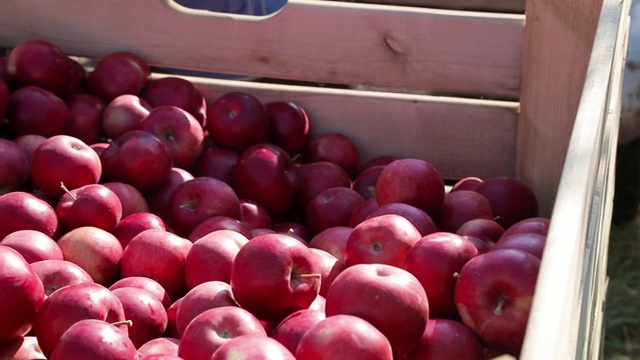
{"x":246,"y":7}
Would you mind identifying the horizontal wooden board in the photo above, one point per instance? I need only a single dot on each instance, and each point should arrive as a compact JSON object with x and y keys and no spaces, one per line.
{"x":322,"y":41}
{"x":460,"y":137}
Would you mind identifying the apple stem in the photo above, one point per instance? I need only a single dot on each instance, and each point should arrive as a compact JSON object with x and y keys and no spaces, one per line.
{"x":64,"y":188}
{"x":501,"y":302}
{"x":456,"y":275}
{"x":313,"y":275}
{"x":290,"y":232}
{"x":123,"y":322}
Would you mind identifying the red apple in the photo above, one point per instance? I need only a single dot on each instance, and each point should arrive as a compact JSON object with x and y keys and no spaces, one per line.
{"x":290,"y":330}
{"x":486,"y":229}
{"x":122,"y":114}
{"x":329,"y":267}
{"x":172,"y":328}
{"x":27,"y":212}
{"x":466,"y":183}
{"x":332,"y":240}
{"x":412,"y":181}
{"x":420,"y":219}
{"x":447,"y":339}
{"x":24,"y":348}
{"x":85,"y":113}
{"x":336,"y":148}
{"x":40,"y":63}
{"x":77,"y":76}
{"x":216,"y":163}
{"x":56,"y":274}
{"x":211,"y":257}
{"x":274,"y":275}
{"x":331,"y":207}
{"x":219,"y":222}
{"x":436,"y":260}
{"x":202,"y":297}
{"x":70,"y":304}
{"x":211,"y":329}
{"x":159,"y":199}
{"x":95,"y":250}
{"x":94,"y":339}
{"x":15,"y":167}
{"x":461,"y":206}
{"x":132,"y":200}
{"x":179,"y":131}
{"x":34,"y":110}
{"x":289,"y":126}
{"x":199,"y":199}
{"x":89,"y":205}
{"x":341,"y":337}
{"x":161,"y":346}
{"x":362,"y":212}
{"x":29,"y":143}
{"x":389,"y":298}
{"x":175,"y":91}
{"x":134,"y":224}
{"x":296,"y":229}
{"x":494,"y":294}
{"x":254,"y":215}
{"x":21,"y":295}
{"x":148,"y":315}
{"x":33,"y":245}
{"x":99,"y":147}
{"x":5,"y":92}
{"x":511,"y":199}
{"x":379,"y":160}
{"x":64,"y":159}
{"x":266,"y":174}
{"x":253,"y":347}
{"x":530,"y":242}
{"x":317,"y":176}
{"x":159,"y":255}
{"x":536,"y":225}
{"x":137,"y":158}
{"x":118,"y":73}
{"x":147,"y":284}
{"x":365,"y":182}
{"x":237,"y":120}
{"x":384,"y":239}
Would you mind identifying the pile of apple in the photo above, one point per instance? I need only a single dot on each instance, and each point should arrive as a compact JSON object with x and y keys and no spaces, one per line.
{"x":142,"y":220}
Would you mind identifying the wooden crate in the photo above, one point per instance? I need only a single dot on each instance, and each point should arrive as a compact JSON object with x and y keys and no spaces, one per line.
{"x":475,"y":93}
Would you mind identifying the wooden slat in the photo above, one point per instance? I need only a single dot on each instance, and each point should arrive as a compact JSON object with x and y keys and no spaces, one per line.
{"x":460,"y":137}
{"x":511,"y":6}
{"x":323,"y":41}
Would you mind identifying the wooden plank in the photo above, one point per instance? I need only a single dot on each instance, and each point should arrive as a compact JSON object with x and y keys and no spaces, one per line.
{"x":322,"y":41}
{"x":511,"y":6}
{"x":460,"y":137}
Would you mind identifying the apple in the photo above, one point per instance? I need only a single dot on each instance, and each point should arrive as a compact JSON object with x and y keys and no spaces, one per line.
{"x":160,"y":198}
{"x":99,"y":147}
{"x":384,"y":239}
{"x":290,"y":330}
{"x":265,"y":173}
{"x":466,"y":183}
{"x":95,"y":250}
{"x":39,"y":62}
{"x":179,"y":131}
{"x":362,"y":212}
{"x":123,"y":114}
{"x":536,"y":225}
{"x":337,"y":148}
{"x":172,"y":327}
{"x":237,"y":120}
{"x":329,"y":267}
{"x":56,"y":274}
{"x":530,"y":242}
{"x":211,"y":257}
{"x":29,"y":143}
{"x":493,"y":296}
{"x":317,"y":176}
{"x":412,"y":181}
{"x":5,"y":92}
{"x":198,"y":199}
{"x":137,"y":158}
{"x":70,"y":304}
{"x":27,"y":212}
{"x":77,"y":76}
{"x":24,"y":348}
{"x":202,"y":297}
{"x":253,"y":347}
{"x":34,"y":110}
{"x":94,"y":339}
{"x":85,"y":113}
{"x":212,"y":328}
{"x":447,"y":339}
{"x":21,"y":295}
{"x":274,"y":275}
{"x":159,"y":255}
{"x":160,"y":346}
{"x":15,"y":167}
{"x":436,"y":261}
{"x":147,"y":284}
{"x":64,"y":159}
{"x":216,"y":163}
{"x":219,"y":222}
{"x":33,"y":245}
{"x":176,"y":91}
{"x":132,"y":225}
{"x":420,"y":219}
{"x":343,"y":336}
{"x":388,"y":297}
{"x":147,"y":314}
{"x":254,"y":215}
{"x":461,"y":206}
{"x":511,"y":199}
{"x":132,"y":200}
{"x":89,"y":205}
{"x":116,"y":74}
{"x":296,"y":229}
{"x":379,"y":160}
{"x":289,"y":126}
{"x":486,"y":229}
{"x":331,"y":207}
{"x":332,"y":240}
{"x":365,"y":181}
